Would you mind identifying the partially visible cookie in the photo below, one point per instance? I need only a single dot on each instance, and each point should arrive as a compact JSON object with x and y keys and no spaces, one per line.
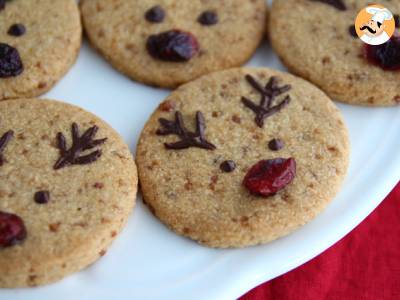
{"x":168,"y":42}
{"x":67,"y":186}
{"x":317,"y":41}
{"x":242,"y":157}
{"x":39,"y":42}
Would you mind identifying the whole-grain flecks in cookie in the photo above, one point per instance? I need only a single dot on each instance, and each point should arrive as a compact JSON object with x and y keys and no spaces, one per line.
{"x":65,"y":195}
{"x":259,"y":182}
{"x":39,"y":42}
{"x":170,"y":43}
{"x":321,"y":45}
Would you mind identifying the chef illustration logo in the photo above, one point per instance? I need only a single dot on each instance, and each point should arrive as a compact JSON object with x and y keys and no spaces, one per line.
{"x":375,"y":25}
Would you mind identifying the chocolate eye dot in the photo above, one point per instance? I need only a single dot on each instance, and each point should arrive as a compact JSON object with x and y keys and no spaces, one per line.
{"x":208,"y":18}
{"x":155,"y":14}
{"x":228,"y":166}
{"x":276,"y":145}
{"x":42,"y":197}
{"x":17,"y":30}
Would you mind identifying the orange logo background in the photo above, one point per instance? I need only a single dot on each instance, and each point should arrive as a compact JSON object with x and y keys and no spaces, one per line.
{"x":363,"y":17}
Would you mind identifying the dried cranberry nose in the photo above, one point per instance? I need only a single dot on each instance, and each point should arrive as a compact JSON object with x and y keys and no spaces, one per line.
{"x":387,"y":55}
{"x":173,"y":46}
{"x":12,"y":230}
{"x":268,"y":177}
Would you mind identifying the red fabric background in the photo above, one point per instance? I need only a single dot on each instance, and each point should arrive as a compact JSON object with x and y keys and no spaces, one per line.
{"x":363,"y":265}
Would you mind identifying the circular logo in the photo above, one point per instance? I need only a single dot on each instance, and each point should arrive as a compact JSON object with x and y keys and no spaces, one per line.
{"x":375,"y":25}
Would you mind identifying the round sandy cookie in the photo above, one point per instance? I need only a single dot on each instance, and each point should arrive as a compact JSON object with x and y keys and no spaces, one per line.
{"x":39,"y":42}
{"x":67,"y":186}
{"x":318,"y":41}
{"x":198,"y":146}
{"x":169,"y":42}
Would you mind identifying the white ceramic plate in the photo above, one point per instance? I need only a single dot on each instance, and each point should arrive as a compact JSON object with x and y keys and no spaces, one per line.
{"x":148,"y":261}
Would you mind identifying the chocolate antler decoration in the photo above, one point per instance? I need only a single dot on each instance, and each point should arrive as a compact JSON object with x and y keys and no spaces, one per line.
{"x":268,"y":96}
{"x":188,"y":139}
{"x":338,"y":4}
{"x":79,"y":144}
{"x":3,"y":143}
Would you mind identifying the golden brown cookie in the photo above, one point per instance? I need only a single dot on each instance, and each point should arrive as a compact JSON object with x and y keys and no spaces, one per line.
{"x":199,"y":155}
{"x":39,"y":42}
{"x":67,"y":186}
{"x":317,"y":41}
{"x":168,"y":42}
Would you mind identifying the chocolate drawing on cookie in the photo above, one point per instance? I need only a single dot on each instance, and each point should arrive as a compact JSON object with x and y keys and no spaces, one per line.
{"x":17,"y":30}
{"x":268,"y":96}
{"x":155,"y":14}
{"x":4,"y":140}
{"x":12,"y":230}
{"x":338,"y":4}
{"x":3,"y":4}
{"x":188,"y":139}
{"x":268,"y":177}
{"x":42,"y":197}
{"x":386,"y":56}
{"x":79,"y":144}
{"x":208,"y":18}
{"x":10,"y":61}
{"x":276,"y":145}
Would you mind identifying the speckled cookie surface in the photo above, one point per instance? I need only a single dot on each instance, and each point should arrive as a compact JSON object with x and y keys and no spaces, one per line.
{"x":190,"y":193}
{"x":119,"y":30}
{"x":88,"y":201}
{"x":48,"y":47}
{"x":313,"y":41}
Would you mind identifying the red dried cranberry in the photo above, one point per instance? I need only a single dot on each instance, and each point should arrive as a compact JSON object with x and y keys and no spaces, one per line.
{"x":173,"y":46}
{"x":155,"y":14}
{"x":10,"y":61}
{"x":12,"y":230}
{"x":387,"y":55}
{"x":17,"y":30}
{"x":208,"y":18}
{"x":268,"y":177}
